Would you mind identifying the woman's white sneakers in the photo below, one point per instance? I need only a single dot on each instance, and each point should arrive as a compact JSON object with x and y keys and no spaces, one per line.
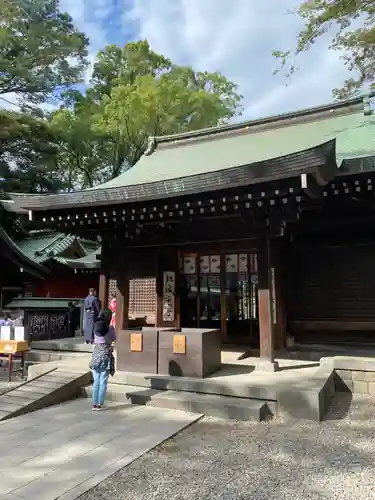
{"x":99,"y":408}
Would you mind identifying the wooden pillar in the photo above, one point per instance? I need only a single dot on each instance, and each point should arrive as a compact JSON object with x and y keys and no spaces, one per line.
{"x":178,"y":284}
{"x":267,"y":311}
{"x":103,"y":288}
{"x":104,"y":274}
{"x":122,"y":293}
{"x":159,"y":289}
{"x":223,"y":301}
{"x":279,"y":280}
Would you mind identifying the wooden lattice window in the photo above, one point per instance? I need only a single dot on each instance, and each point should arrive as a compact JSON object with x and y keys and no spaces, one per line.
{"x":112,"y":285}
{"x":142,"y":297}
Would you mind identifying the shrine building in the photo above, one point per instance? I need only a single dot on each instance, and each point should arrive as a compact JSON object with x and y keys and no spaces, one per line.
{"x":261,"y":229}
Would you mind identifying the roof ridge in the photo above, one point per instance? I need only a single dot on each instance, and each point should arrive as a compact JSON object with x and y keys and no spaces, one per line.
{"x":60,"y":236}
{"x":12,"y":244}
{"x":233,"y":127}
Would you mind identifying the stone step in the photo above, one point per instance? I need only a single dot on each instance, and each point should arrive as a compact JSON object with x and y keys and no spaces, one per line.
{"x":46,"y":356}
{"x":209,"y":404}
{"x":43,"y":384}
{"x":52,"y":388}
{"x":28,"y":392}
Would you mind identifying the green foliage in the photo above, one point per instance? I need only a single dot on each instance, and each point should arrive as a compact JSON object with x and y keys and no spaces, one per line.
{"x":41,"y":52}
{"x":141,"y":94}
{"x":27,"y":160}
{"x":356,"y":43}
{"x":135,"y":93}
{"x":82,"y":151}
{"x":121,"y":66}
{"x":27,"y":154}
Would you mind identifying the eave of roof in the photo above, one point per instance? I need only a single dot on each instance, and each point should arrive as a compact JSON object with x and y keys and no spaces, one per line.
{"x":20,"y":259}
{"x":192,"y":159}
{"x":87,"y":262}
{"x":41,"y":247}
{"x":42,"y":303}
{"x":309,"y":161}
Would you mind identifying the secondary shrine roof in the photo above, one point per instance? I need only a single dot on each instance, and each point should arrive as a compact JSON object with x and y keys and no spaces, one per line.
{"x":11,"y":251}
{"x":44,"y":246}
{"x":248,"y":153}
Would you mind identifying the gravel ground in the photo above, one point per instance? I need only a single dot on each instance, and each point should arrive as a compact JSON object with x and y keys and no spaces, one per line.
{"x":215,"y":460}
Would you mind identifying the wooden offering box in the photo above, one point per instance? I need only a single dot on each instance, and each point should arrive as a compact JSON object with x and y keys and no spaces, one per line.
{"x":137,"y":350}
{"x":191,"y":352}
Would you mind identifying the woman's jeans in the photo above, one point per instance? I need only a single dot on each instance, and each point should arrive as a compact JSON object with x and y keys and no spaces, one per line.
{"x":99,"y":388}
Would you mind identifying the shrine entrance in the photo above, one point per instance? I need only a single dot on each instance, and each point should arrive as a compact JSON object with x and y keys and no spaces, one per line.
{"x":221,"y":291}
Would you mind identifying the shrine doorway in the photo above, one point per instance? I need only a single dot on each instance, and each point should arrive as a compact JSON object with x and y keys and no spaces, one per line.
{"x":221,"y":291}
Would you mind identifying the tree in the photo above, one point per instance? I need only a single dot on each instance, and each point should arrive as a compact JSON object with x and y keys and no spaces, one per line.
{"x":27,"y":154}
{"x":83,"y":151}
{"x":141,"y":94}
{"x":27,"y":160}
{"x":357,"y":44}
{"x":116,"y":65}
{"x":41,"y":52}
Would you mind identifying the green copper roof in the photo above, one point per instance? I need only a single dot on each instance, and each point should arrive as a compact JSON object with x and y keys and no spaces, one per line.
{"x":41,"y":246}
{"x":12,"y":251}
{"x":40,"y":303}
{"x":246,"y":144}
{"x":211,"y":158}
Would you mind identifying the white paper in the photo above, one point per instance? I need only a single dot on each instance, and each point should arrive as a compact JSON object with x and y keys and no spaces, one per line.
{"x":243,"y":262}
{"x":189,"y":265}
{"x":19,"y":333}
{"x":215,"y":263}
{"x":5,"y":333}
{"x":231,"y":263}
{"x":204,"y":264}
{"x":168,"y":282}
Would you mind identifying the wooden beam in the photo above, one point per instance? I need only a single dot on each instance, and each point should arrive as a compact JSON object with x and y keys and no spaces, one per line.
{"x":266,"y":307}
{"x":122,"y":293}
{"x":103,"y":288}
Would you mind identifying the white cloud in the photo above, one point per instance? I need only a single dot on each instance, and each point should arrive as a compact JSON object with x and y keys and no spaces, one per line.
{"x":238,"y":38}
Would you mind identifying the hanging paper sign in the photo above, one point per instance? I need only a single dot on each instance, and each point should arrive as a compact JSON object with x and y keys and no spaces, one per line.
{"x":5,"y":333}
{"x":19,"y":333}
{"x":169,"y":284}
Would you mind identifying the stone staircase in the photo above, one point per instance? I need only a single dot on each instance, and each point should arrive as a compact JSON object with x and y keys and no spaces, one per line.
{"x":48,"y":389}
{"x":213,"y":405}
{"x":52,"y":378}
{"x":232,"y":393}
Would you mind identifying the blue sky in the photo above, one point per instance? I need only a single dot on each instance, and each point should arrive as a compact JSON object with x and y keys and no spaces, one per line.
{"x":236,"y":37}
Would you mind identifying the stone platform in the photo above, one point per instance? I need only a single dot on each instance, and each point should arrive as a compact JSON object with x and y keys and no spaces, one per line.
{"x":76,"y":344}
{"x":237,"y":391}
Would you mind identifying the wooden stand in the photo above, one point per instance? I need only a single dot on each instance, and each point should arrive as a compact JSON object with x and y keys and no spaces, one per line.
{"x":190,"y":352}
{"x":11,"y":348}
{"x":137,"y":351}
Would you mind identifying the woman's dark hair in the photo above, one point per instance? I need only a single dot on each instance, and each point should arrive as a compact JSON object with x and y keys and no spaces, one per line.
{"x":106,"y":313}
{"x":101,"y":324}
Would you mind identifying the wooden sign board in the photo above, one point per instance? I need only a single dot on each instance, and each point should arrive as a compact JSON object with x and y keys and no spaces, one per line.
{"x":13,"y":346}
{"x":179,"y":344}
{"x":136,"y":342}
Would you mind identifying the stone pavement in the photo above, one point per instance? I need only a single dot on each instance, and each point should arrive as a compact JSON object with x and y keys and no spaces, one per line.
{"x":280,"y":460}
{"x":62,"y":451}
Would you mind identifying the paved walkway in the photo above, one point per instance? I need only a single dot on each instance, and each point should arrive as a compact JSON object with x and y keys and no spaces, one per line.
{"x":62,"y":451}
{"x":280,"y":460}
